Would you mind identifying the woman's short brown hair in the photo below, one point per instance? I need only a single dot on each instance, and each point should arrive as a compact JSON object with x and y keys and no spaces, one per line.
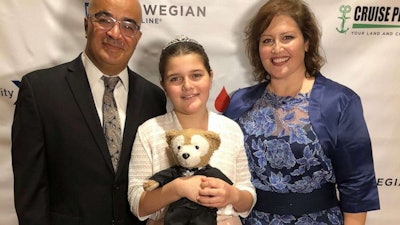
{"x":305,"y":19}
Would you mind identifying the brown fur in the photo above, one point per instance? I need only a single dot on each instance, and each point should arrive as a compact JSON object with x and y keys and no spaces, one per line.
{"x":212,"y":137}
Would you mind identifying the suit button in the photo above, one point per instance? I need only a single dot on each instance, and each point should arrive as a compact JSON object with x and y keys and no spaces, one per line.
{"x":116,"y":187}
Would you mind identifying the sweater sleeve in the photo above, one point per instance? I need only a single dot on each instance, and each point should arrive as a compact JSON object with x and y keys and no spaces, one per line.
{"x":231,"y":157}
{"x":147,"y":158}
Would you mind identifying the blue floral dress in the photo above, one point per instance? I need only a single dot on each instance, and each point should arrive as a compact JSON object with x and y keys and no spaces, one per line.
{"x":285,"y":156}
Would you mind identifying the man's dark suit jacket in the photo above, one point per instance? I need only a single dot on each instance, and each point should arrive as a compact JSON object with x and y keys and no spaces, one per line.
{"x":63,"y":173}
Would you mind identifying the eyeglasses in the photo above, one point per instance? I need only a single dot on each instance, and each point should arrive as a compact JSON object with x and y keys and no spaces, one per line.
{"x":127,"y":28}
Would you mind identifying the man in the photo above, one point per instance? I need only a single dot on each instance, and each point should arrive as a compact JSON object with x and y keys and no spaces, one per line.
{"x":63,"y":169}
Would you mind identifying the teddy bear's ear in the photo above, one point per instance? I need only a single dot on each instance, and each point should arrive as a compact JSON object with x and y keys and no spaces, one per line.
{"x":213,"y":139}
{"x":169,"y":135}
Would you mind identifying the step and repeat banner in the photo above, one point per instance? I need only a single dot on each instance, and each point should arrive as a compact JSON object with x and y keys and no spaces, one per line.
{"x":361,"y":41}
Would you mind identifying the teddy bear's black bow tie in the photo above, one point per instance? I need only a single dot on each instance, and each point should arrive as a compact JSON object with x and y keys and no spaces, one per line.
{"x":186,"y":172}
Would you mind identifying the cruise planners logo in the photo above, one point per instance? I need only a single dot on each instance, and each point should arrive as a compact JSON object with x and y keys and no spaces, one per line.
{"x":361,"y":20}
{"x":344,"y":10}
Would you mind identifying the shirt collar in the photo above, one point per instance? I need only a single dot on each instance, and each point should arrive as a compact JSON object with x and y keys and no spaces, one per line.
{"x":94,"y":74}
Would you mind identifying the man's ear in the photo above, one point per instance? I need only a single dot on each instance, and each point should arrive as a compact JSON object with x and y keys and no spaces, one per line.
{"x":85,"y":23}
{"x":138,"y":35}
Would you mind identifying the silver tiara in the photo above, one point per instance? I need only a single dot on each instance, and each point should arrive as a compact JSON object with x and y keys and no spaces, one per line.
{"x":179,"y":39}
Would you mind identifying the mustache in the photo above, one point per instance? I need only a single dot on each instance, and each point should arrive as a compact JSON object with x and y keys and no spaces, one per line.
{"x":114,"y":42}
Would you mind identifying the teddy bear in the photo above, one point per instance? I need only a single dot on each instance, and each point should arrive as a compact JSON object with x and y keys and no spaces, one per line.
{"x":191,"y":149}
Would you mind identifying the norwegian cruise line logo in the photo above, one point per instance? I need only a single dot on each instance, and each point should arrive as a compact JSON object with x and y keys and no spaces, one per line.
{"x":154,"y":13}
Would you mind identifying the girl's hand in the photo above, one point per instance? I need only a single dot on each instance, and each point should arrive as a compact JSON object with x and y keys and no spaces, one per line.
{"x":188,"y":187}
{"x":216,"y":193}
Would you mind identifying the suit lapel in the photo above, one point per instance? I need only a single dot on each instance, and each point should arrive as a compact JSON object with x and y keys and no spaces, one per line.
{"x":78,"y":82}
{"x":135,"y":101}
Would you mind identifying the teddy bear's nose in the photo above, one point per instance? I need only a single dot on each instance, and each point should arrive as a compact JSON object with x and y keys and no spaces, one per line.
{"x":185,"y":155}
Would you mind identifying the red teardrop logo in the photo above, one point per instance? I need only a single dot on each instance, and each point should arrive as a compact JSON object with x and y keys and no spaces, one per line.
{"x":222,"y":100}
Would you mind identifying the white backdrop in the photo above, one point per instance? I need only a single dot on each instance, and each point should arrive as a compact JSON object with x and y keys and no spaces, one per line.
{"x":41,"y":33}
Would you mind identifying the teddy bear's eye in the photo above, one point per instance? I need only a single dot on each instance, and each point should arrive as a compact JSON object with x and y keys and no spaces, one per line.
{"x":197,"y":147}
{"x":179,"y":147}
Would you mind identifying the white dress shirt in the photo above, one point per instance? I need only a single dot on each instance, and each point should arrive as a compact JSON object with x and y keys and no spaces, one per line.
{"x":97,"y":87}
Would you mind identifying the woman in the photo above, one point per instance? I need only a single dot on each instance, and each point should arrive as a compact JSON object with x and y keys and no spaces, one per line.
{"x":186,"y":77}
{"x":305,"y":135}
